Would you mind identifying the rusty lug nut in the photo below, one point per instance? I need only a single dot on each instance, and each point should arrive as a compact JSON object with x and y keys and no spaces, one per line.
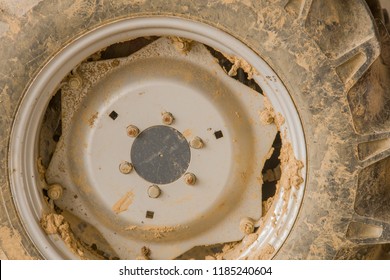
{"x":247,"y":225}
{"x":55,"y":191}
{"x":132,"y":131}
{"x":154,"y":191}
{"x":196,"y":143}
{"x":125,"y":167}
{"x":190,"y":178}
{"x":167,"y":118}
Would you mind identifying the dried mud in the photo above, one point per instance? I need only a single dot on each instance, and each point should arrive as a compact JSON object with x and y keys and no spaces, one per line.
{"x":240,"y":63}
{"x":123,"y":203}
{"x":11,"y":242}
{"x":56,"y":224}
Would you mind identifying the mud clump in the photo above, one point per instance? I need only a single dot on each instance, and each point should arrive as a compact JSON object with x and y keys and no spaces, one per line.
{"x":56,"y":224}
{"x":291,"y":167}
{"x":240,"y":63}
{"x":145,"y":253}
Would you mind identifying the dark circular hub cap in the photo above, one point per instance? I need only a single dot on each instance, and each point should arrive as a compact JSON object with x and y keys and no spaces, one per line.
{"x":160,"y":154}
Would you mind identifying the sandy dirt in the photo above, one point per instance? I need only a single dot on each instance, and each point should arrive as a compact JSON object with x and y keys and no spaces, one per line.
{"x":240,"y":63}
{"x":11,"y":242}
{"x":123,"y":203}
{"x":56,"y":224}
{"x":92,"y":119}
{"x":158,"y":232}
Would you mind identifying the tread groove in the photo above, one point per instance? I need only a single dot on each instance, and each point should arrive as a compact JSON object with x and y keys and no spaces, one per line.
{"x":376,"y":148}
{"x":349,"y":68}
{"x":363,"y":230}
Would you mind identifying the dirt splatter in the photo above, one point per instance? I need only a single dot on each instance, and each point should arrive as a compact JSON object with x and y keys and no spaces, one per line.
{"x":266,"y":205}
{"x":123,"y":203}
{"x":11,"y":245}
{"x":227,"y":249}
{"x":145,"y":253}
{"x":268,"y":115}
{"x":267,"y":252}
{"x":290,"y":167}
{"x":240,"y":63}
{"x":56,"y":224}
{"x":158,"y":232}
{"x":92,"y":119}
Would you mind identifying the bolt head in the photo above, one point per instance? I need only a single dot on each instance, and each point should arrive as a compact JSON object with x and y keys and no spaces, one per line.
{"x":154,"y":191}
{"x":196,"y":143}
{"x":75,"y":82}
{"x":189,"y":178}
{"x":266,"y":117}
{"x":132,"y":131}
{"x":247,"y":225}
{"x":125,"y":167}
{"x":167,"y":118}
{"x":55,"y":191}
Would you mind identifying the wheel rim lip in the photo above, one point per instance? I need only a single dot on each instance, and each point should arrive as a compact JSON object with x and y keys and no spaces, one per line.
{"x":26,"y":124}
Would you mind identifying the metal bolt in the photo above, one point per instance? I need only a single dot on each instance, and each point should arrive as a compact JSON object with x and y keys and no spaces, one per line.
{"x":132,"y":131}
{"x":190,"y":178}
{"x":125,"y":167}
{"x":75,"y":82}
{"x":247,"y":225}
{"x":167,"y":118}
{"x":55,"y":191}
{"x":154,"y":191}
{"x":266,"y":117}
{"x":196,"y":142}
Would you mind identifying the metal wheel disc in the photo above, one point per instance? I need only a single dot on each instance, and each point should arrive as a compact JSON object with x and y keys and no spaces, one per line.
{"x":161,"y":149}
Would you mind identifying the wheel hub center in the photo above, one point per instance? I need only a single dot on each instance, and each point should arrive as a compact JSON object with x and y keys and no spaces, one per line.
{"x":160,"y":154}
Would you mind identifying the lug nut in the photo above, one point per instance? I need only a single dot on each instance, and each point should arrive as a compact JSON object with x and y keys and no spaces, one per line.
{"x":190,"y":178}
{"x":167,"y":118}
{"x":75,"y":82}
{"x":154,"y":191}
{"x":125,"y":167}
{"x":266,"y":117}
{"x":55,"y":191}
{"x":132,"y":131}
{"x":196,"y":143}
{"x":247,"y":225}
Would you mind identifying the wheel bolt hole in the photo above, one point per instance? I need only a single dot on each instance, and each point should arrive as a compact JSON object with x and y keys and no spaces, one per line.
{"x":113,"y":115}
{"x":149,"y":214}
{"x":218,"y":134}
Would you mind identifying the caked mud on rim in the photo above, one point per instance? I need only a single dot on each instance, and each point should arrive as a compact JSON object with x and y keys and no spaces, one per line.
{"x":161,"y":151}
